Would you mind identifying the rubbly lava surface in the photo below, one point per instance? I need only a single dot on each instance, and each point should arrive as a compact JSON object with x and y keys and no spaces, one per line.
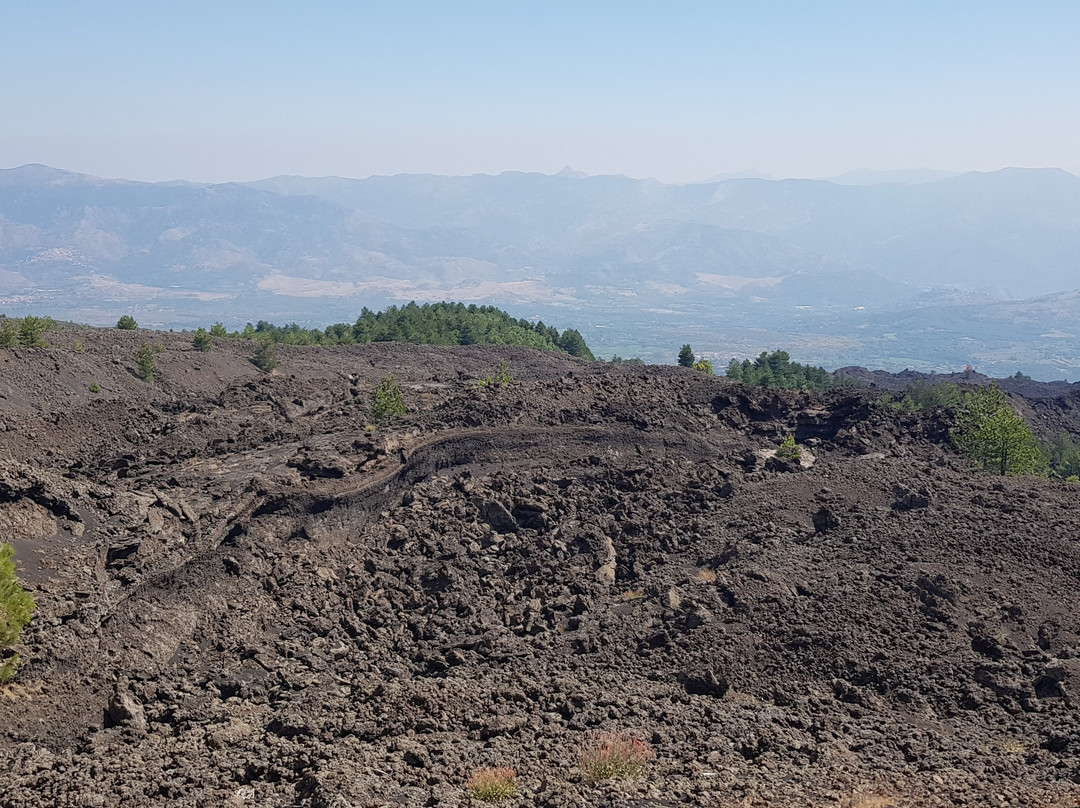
{"x":248,"y":595}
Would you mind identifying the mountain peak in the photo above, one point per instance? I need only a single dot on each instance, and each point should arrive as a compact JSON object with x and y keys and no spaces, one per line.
{"x":37,"y":173}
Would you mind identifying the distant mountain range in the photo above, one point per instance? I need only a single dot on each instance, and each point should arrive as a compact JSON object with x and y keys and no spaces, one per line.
{"x":873,"y":268}
{"x":868,"y":176}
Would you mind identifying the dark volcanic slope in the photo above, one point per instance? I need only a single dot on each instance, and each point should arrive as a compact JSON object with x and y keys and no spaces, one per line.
{"x":246,"y":597}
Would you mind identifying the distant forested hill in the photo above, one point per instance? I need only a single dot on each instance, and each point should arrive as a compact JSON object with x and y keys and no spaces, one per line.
{"x":430,"y":324}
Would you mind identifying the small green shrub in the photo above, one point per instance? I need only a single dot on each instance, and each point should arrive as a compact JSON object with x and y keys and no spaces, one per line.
{"x":16,"y":608}
{"x":218,"y":330}
{"x":387,"y":400}
{"x":613,"y":754}
{"x":788,"y":449}
{"x":492,"y":784}
{"x":704,"y":365}
{"x":202,"y":341}
{"x":502,"y":376}
{"x":95,"y":388}
{"x":265,"y":358}
{"x":147,"y":366}
{"x":7,"y":668}
{"x":127,"y":323}
{"x":78,"y":346}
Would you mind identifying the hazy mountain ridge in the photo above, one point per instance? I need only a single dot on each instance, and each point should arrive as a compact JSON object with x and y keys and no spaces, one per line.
{"x":733,"y":257}
{"x":868,"y":176}
{"x":969,"y":229}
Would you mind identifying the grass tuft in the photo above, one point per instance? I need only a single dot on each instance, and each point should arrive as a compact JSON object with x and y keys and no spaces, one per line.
{"x":614,"y":754}
{"x":492,"y":784}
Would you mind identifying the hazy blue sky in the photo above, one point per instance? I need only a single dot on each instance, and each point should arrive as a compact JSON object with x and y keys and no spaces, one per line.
{"x":680,"y":91}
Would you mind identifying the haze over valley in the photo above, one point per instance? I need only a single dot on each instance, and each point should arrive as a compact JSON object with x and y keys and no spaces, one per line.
{"x":927,"y":272}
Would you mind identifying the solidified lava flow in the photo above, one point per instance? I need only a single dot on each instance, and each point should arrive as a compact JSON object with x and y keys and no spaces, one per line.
{"x":247,"y":593}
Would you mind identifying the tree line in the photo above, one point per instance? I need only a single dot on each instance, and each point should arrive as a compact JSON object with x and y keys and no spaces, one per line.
{"x":777,"y":370}
{"x":25,"y":332}
{"x":768,"y":370}
{"x":427,"y":324}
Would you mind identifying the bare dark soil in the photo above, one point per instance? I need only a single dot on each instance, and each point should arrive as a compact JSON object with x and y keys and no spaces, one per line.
{"x":248,"y":596}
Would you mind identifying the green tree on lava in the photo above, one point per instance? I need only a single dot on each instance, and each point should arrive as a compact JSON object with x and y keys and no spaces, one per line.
{"x":990,"y":433}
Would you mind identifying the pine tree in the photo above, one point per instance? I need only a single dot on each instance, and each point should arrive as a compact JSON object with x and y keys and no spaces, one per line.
{"x":265,"y":358}
{"x":387,"y":400}
{"x":990,"y":432}
{"x":30,"y":330}
{"x":146,"y":363}
{"x":16,"y":607}
{"x":9,"y":333}
{"x":202,"y":341}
